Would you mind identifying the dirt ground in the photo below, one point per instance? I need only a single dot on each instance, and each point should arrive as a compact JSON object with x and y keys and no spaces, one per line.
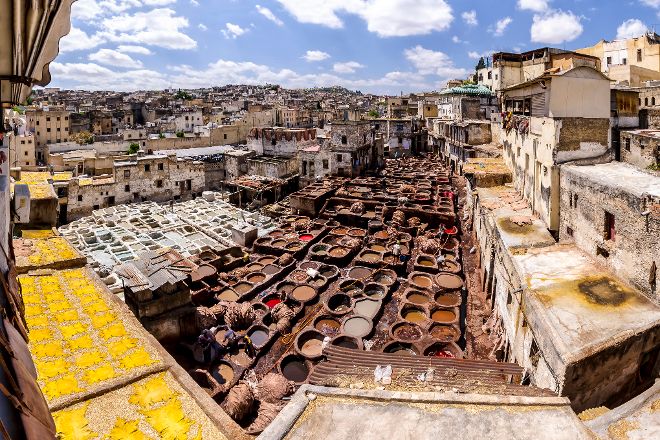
{"x":478,"y":344}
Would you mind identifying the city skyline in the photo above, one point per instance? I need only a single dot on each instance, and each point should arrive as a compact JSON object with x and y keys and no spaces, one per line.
{"x":127,"y":45}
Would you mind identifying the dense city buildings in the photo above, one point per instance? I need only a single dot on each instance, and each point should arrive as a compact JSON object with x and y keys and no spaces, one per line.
{"x":236,"y":261}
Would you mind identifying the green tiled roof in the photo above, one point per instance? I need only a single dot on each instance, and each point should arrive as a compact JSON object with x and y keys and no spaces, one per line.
{"x":468,"y":89}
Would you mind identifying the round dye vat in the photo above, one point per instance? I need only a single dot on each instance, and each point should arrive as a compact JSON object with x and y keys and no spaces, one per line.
{"x":382,"y":235}
{"x":407,"y":332}
{"x":272,"y":300}
{"x":276,"y":234}
{"x":357,"y":233}
{"x":444,"y":333}
{"x":318,"y":282}
{"x":418,"y":298}
{"x":448,"y":281}
{"x":400,"y":348}
{"x":278,"y":243}
{"x":256,"y":278}
{"x":425,"y":261}
{"x":271,"y":269}
{"x":306,"y":237}
{"x":303,"y":293}
{"x":375,"y":291}
{"x":448,"y":299}
{"x":242,"y":288}
{"x":312,"y":348}
{"x":259,"y":336}
{"x":371,"y":257}
{"x":385,"y":278}
{"x":309,"y":265}
{"x":298,"y":276}
{"x":351,"y":287}
{"x":227,"y":295}
{"x":422,"y":281}
{"x":443,"y":350}
{"x":241,"y":359}
{"x":339,"y":231}
{"x":367,"y":307}
{"x":450,"y":266}
{"x":359,"y":273}
{"x":377,"y":248}
{"x":339,"y":303}
{"x":327,"y":325}
{"x":293,"y":247}
{"x":329,"y":271}
{"x":267,"y":260}
{"x":255,"y":267}
{"x":294,"y":368}
{"x":346,"y":342}
{"x":414,"y":315}
{"x":357,"y":326}
{"x":339,"y":251}
{"x":443,"y":316}
{"x":223,"y":373}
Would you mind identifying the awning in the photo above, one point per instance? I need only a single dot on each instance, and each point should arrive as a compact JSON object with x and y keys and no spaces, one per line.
{"x":30,"y":32}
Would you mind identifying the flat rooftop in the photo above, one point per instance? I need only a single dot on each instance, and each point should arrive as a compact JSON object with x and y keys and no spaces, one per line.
{"x":619,"y":175}
{"x":579,"y":307}
{"x":334,"y":413}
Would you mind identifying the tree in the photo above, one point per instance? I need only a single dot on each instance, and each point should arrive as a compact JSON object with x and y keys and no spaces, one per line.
{"x":161,"y":136}
{"x":373,"y":113}
{"x":481,"y":64}
{"x":133,"y":148}
{"x":179,"y":134}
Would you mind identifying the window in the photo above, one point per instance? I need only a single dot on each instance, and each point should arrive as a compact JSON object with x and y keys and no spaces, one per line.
{"x":610,"y":227}
{"x":626,"y":143}
{"x":400,"y":139}
{"x":339,"y":158}
{"x":80,"y":198}
{"x":646,"y":102}
{"x":624,"y":61}
{"x":48,"y":119}
{"x":26,"y":153}
{"x":147,"y":168}
{"x":188,"y":185}
{"x":609,"y":60}
{"x":161,"y":167}
{"x":496,"y":77}
{"x":569,"y":231}
{"x":48,"y":130}
{"x":639,"y":55}
{"x":127,"y":174}
{"x":159,"y":183}
{"x":225,"y":136}
{"x":96,"y":207}
{"x":344,"y":140}
{"x":653,"y":100}
{"x":490,"y":75}
{"x":127,"y":188}
{"x":575,"y":200}
{"x":325,"y":164}
{"x":304,"y":167}
{"x":58,"y":118}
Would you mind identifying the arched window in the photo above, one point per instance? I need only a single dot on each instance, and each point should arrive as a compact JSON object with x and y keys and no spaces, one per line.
{"x":344,"y":140}
{"x":646,"y":102}
{"x":653,"y":101}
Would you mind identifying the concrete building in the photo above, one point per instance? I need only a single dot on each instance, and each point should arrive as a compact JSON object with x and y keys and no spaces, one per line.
{"x":22,"y":150}
{"x":611,"y":212}
{"x":279,"y":141}
{"x":551,"y":120}
{"x":49,"y":126}
{"x":467,"y":101}
{"x":401,"y":137}
{"x":641,"y":148}
{"x":632,"y":61}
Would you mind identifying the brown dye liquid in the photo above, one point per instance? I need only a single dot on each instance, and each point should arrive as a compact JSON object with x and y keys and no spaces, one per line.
{"x":359,"y":273}
{"x":223,"y":373}
{"x":312,"y":348}
{"x":303,"y":293}
{"x":286,"y":288}
{"x":449,"y":281}
{"x":338,"y":252}
{"x":241,"y":359}
{"x":295,"y":370}
{"x":377,"y":248}
{"x":271,"y":269}
{"x":267,"y":260}
{"x":228,"y":295}
{"x":370,"y":257}
{"x":422,"y":281}
{"x":444,"y":333}
{"x":415,"y":316}
{"x":426,"y":263}
{"x":328,"y":327}
{"x":408,"y":332}
{"x":255,"y":267}
{"x":443,"y":316}
{"x":242,"y":288}
{"x":418,"y":298}
{"x":256,"y":278}
{"x":447,"y":300}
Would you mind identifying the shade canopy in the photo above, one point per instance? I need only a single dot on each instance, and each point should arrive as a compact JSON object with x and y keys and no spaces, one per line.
{"x":30,"y":32}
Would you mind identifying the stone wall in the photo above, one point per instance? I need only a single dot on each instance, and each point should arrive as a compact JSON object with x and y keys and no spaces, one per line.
{"x":636,"y":246}
{"x":640,"y":150}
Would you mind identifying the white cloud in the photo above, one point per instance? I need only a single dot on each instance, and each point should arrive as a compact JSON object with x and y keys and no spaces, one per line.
{"x":91,"y":76}
{"x":651,"y":3}
{"x":157,"y":27}
{"x":501,"y":26}
{"x":555,"y":27}
{"x":125,"y":48}
{"x":348,"y":67}
{"x":476,"y":55}
{"x":114,"y":58}
{"x":233,"y":31}
{"x":316,"y":55}
{"x":91,"y":9}
{"x":79,"y":40}
{"x":194,"y":3}
{"x":631,"y":28}
{"x":533,"y":5}
{"x":383,"y":17}
{"x":269,"y":15}
{"x":202,"y":27}
{"x":455,"y":39}
{"x":429,"y":62}
{"x":470,"y":18}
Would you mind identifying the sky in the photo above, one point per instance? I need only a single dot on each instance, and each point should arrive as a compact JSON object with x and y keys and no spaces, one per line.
{"x":376,"y":46}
